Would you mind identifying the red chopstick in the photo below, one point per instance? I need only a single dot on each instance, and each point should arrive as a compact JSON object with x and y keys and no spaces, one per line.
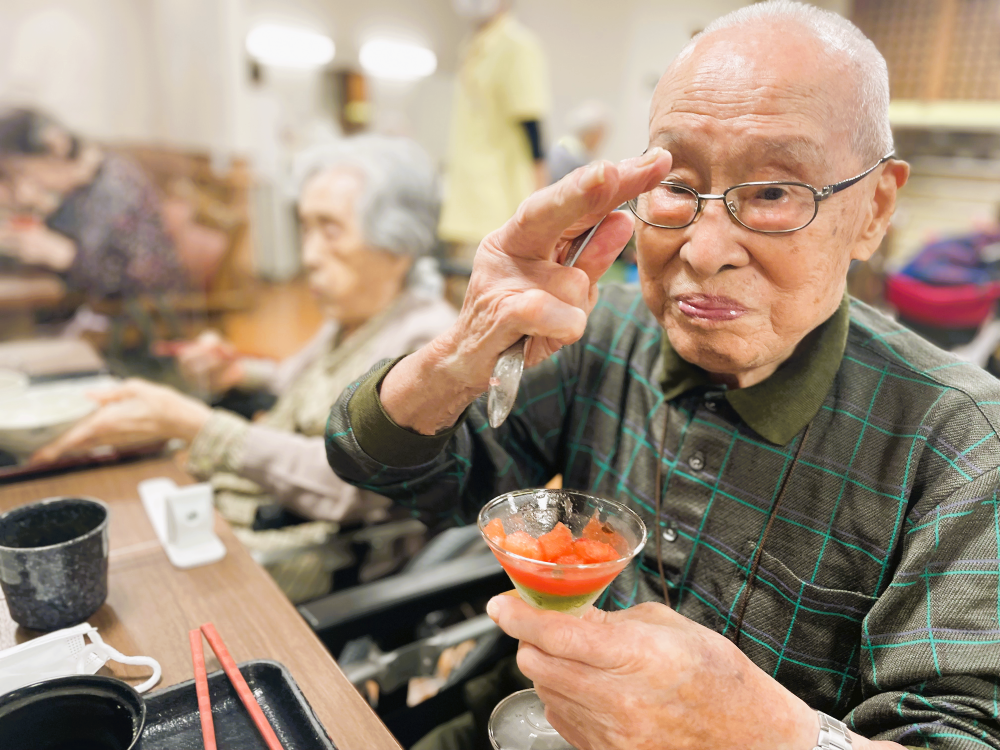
{"x":201,"y":686}
{"x":242,"y":689}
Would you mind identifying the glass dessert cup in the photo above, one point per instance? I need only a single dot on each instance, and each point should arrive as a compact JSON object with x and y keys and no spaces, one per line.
{"x":571,"y":585}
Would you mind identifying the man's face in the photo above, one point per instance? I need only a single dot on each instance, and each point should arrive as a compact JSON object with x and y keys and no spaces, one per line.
{"x":352,"y":281}
{"x":748,"y":106}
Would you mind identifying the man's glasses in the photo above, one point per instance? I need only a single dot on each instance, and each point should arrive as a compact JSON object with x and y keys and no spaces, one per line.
{"x":768,"y":207}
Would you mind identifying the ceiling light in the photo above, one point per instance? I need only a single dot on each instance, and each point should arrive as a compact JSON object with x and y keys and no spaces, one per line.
{"x":400,"y":61}
{"x":289,"y":47}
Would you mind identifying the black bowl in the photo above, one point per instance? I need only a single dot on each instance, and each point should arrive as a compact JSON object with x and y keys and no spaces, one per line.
{"x":82,"y":712}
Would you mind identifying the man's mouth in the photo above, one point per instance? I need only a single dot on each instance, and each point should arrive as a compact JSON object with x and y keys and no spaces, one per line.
{"x":709,"y":307}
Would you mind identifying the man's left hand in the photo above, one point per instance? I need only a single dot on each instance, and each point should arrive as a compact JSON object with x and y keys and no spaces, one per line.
{"x":646,"y":678}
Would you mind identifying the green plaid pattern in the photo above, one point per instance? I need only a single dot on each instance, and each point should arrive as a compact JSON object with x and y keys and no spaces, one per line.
{"x":877,"y":597}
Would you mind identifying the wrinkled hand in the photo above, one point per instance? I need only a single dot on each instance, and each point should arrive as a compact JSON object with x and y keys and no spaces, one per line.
{"x":39,"y":246}
{"x":210,"y":362}
{"x":542,"y":176}
{"x":519,"y":287}
{"x":134,"y":413}
{"x":646,"y":678}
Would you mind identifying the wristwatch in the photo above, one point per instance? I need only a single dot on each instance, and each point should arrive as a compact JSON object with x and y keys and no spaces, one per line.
{"x":833,"y":734}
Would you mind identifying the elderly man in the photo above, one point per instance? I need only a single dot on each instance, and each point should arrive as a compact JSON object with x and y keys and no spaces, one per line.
{"x":820,"y":484}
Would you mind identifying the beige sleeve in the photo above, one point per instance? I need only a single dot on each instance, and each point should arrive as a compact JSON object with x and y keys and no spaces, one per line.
{"x":258,"y":374}
{"x":290,"y":468}
{"x":293,"y":469}
{"x":218,"y":446}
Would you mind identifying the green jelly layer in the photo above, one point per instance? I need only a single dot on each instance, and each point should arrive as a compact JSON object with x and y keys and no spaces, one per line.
{"x":555,"y":602}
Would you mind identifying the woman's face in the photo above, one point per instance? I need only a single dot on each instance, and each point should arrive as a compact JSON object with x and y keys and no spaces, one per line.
{"x":36,"y":175}
{"x":352,"y":281}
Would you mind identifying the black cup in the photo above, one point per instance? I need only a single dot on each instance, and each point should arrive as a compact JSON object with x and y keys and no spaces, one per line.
{"x":82,"y":712}
{"x":54,"y":561}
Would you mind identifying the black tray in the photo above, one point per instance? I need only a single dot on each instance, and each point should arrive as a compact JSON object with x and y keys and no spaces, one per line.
{"x":172,"y":721}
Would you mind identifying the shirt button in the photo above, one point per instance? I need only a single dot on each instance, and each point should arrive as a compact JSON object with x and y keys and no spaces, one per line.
{"x":669,"y":534}
{"x":697,"y":461}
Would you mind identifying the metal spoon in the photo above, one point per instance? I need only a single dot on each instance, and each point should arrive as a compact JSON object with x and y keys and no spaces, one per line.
{"x":507,"y":372}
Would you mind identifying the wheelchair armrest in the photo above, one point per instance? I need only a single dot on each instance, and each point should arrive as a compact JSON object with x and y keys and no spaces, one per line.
{"x":387,"y":607}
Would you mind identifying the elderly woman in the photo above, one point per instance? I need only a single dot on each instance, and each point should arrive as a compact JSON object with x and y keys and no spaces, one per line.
{"x":368,"y":211}
{"x":95,"y":215}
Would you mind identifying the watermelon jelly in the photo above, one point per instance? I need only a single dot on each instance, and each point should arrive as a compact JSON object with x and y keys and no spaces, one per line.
{"x":561,"y":548}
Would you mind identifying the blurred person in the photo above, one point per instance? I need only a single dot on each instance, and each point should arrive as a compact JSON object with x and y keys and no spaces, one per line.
{"x":588,"y":127}
{"x":368,"y":209}
{"x":88,"y":213}
{"x":495,"y":158}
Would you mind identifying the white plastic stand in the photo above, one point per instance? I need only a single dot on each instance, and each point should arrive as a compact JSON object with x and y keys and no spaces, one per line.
{"x":184,"y":519}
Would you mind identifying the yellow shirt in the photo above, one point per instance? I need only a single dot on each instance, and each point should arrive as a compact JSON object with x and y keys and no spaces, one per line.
{"x":502,"y":82}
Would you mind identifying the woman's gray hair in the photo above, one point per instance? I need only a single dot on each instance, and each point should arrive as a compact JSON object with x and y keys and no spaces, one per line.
{"x":871,"y":136}
{"x":587,"y":116}
{"x":400,"y":199}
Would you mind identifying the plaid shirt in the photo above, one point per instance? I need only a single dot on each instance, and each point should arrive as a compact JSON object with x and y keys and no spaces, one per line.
{"x":875,"y":597}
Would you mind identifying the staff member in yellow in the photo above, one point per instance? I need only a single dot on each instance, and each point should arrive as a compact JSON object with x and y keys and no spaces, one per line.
{"x":495,"y":154}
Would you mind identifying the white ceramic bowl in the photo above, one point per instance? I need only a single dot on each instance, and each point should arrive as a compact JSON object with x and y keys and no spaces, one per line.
{"x":12,"y":383}
{"x":35,"y":418}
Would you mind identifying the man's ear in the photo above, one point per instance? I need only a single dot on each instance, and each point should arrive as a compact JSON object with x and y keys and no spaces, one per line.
{"x":879,"y":211}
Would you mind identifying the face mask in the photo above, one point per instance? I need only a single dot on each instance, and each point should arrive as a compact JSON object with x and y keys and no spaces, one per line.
{"x":477,"y":10}
{"x":62,"y":653}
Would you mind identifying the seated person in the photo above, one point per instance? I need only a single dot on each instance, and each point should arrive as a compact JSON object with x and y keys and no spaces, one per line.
{"x":90,"y":214}
{"x":588,"y":127}
{"x":368,"y":209}
{"x":820,"y":485}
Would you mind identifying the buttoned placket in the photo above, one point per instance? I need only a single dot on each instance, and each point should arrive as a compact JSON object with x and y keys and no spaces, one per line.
{"x":687,"y":492}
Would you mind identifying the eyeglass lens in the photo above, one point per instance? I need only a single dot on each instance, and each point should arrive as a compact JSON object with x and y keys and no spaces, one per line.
{"x":765,"y":208}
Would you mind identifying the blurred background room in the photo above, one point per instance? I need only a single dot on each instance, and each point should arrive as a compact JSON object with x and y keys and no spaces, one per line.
{"x":149,"y":223}
{"x":246,"y":203}
{"x":212,"y":100}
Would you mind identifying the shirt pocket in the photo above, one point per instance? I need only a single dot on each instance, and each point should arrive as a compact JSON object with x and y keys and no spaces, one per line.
{"x":807,"y":637}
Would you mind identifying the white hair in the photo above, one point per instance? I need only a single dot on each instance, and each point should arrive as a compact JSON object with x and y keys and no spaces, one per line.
{"x":586,"y":116}
{"x":399,"y":202}
{"x":871,"y":136}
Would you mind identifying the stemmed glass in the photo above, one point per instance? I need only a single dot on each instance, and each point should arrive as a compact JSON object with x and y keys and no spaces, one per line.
{"x":561,"y":549}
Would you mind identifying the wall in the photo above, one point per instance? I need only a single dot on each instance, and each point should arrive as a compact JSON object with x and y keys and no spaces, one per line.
{"x":616,"y":52}
{"x":86,"y":61}
{"x":174,"y":70}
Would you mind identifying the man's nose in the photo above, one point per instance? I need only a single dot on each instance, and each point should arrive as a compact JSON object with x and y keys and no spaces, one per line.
{"x":712,"y":241}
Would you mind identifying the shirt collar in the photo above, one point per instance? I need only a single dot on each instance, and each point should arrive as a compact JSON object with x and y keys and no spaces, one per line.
{"x":778,"y":407}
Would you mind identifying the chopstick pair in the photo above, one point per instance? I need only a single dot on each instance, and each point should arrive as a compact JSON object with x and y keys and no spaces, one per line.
{"x":239,"y":683}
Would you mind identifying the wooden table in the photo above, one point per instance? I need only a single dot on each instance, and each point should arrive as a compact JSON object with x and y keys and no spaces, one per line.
{"x":49,"y":357}
{"x":23,"y":292}
{"x":151,"y":605}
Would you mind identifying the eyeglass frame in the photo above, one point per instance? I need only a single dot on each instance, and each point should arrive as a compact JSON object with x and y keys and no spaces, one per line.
{"x":818,"y":196}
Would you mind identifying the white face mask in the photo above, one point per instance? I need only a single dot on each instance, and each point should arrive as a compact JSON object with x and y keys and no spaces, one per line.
{"x":477,"y":10}
{"x":62,"y":653}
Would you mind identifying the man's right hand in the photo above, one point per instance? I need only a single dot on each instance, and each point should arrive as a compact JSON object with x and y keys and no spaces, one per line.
{"x":519,"y":287}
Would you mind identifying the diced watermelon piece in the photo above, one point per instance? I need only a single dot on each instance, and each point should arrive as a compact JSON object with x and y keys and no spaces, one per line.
{"x":593,"y":551}
{"x":599,"y":532}
{"x":569,"y":559}
{"x":556,"y":542}
{"x":524,"y":544}
{"x":494,"y":531}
